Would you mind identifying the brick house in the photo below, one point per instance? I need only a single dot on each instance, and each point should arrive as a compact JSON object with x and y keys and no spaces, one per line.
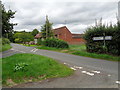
{"x":63,"y":33}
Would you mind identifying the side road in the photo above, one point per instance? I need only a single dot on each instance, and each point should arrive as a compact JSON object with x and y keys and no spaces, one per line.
{"x":104,"y":65}
{"x":89,"y":72}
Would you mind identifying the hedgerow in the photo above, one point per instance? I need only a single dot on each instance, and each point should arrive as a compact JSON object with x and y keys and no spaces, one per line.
{"x":5,"y":41}
{"x":98,"y":46}
{"x":54,"y":42}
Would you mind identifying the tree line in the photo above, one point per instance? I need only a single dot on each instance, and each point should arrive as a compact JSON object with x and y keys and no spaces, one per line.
{"x":23,"y":36}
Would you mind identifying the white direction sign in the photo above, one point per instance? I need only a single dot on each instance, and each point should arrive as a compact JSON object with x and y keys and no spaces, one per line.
{"x":108,"y":37}
{"x":102,"y":38}
{"x":98,"y":38}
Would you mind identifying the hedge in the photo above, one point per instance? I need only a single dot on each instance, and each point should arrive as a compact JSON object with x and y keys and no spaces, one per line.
{"x":54,"y":42}
{"x":97,"y":46}
{"x":5,"y":41}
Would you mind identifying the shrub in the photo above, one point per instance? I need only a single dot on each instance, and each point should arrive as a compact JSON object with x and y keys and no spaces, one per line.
{"x":54,"y":42}
{"x":5,"y":41}
{"x":39,"y":41}
{"x":18,"y":40}
{"x":20,"y":67}
{"x":111,"y":46}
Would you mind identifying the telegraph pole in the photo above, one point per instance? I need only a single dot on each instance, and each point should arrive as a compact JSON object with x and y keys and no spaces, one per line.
{"x":46,"y":27}
{"x":119,"y":11}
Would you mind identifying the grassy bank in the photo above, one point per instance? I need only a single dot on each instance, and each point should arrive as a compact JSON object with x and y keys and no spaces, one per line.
{"x":81,"y":51}
{"x":5,"y":47}
{"x":31,"y":68}
{"x":28,"y":45}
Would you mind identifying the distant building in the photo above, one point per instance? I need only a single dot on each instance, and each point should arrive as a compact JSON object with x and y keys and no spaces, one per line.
{"x":63,"y":33}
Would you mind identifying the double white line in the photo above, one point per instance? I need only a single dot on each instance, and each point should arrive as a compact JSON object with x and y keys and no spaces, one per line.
{"x":34,"y":50}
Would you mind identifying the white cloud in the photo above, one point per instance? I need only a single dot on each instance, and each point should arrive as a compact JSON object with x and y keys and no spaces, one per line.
{"x":77,"y":14}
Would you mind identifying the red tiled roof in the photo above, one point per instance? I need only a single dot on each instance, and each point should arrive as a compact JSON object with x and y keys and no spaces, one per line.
{"x":38,"y":35}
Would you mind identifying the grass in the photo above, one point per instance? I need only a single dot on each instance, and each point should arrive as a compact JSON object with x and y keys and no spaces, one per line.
{"x":28,"y":45}
{"x":80,"y":50}
{"x":39,"y":68}
{"x":5,"y":47}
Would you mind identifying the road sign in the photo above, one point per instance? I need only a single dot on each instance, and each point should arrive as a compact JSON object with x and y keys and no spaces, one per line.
{"x":108,"y":37}
{"x":98,"y":38}
{"x":102,"y":38}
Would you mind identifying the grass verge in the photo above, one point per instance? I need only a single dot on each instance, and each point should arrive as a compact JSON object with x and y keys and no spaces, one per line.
{"x":37,"y":68}
{"x":29,"y":45}
{"x":80,"y":50}
{"x":5,"y":47}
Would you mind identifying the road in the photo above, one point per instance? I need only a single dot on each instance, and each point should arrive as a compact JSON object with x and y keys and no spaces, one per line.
{"x":89,"y":72}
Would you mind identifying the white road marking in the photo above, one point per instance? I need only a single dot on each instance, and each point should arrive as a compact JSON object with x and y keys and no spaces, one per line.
{"x":96,"y":72}
{"x":32,"y":50}
{"x":11,"y":49}
{"x":64,"y":63}
{"x":35,"y":50}
{"x":84,"y":71}
{"x":73,"y":68}
{"x":88,"y":73}
{"x":91,"y":74}
{"x":78,"y":67}
{"x":117,"y":82}
{"x":109,"y":75}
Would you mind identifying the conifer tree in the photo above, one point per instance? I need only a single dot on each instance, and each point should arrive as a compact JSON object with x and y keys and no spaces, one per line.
{"x":46,"y":29}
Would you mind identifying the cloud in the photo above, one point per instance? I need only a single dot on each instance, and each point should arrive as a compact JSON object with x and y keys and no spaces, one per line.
{"x":76,"y":15}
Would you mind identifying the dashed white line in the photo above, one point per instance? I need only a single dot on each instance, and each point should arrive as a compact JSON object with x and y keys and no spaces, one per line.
{"x":78,"y":67}
{"x":73,"y":68}
{"x":109,"y":75}
{"x":11,"y":49}
{"x":117,"y":82}
{"x":88,"y":73}
{"x":65,"y":63}
{"x":32,"y":50}
{"x":35,"y":50}
{"x":96,"y":72}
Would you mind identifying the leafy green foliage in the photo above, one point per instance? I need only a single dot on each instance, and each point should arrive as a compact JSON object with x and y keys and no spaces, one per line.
{"x":39,"y":41}
{"x":5,"y":41}
{"x":46,"y":29}
{"x":111,"y":46}
{"x":4,"y":44}
{"x":34,"y":32}
{"x":54,"y":42}
{"x":20,"y":67}
{"x":7,"y":26}
{"x":23,"y":37}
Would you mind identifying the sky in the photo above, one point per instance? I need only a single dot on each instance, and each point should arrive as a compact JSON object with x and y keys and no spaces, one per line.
{"x":77,"y":15}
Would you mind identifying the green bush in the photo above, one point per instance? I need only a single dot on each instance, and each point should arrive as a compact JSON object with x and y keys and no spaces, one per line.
{"x":111,"y":46}
{"x":18,"y":40}
{"x":5,"y":41}
{"x":54,"y":42}
{"x":39,"y":41}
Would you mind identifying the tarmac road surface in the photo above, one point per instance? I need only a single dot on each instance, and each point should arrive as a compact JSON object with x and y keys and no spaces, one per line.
{"x":89,"y":72}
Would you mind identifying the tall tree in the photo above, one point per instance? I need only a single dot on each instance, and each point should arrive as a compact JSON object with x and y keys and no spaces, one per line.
{"x":34,"y":32}
{"x":46,"y":29}
{"x":23,"y":37}
{"x":7,"y":26}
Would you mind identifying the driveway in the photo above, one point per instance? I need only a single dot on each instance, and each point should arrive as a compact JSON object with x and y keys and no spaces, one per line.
{"x":89,"y":72}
